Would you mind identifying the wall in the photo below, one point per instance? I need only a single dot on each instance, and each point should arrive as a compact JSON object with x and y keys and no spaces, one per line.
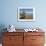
{"x":9,"y":13}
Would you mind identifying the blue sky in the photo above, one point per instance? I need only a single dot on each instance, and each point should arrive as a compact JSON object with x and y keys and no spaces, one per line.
{"x":28,"y":11}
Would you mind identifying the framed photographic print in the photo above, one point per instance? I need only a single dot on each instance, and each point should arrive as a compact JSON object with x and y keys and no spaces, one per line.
{"x":26,"y":14}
